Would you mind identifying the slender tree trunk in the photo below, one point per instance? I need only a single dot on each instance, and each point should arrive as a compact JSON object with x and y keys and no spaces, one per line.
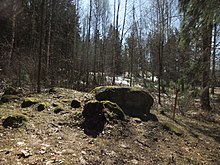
{"x":213,"y":60}
{"x":124,"y":19}
{"x":207,"y":39}
{"x":88,"y":44}
{"x":49,"y":40}
{"x":11,"y":52}
{"x":40,"y":48}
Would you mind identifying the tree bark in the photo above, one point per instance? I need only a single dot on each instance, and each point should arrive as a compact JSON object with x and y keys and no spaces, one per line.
{"x":206,"y":39}
{"x":213,"y":60}
{"x":40,"y":48}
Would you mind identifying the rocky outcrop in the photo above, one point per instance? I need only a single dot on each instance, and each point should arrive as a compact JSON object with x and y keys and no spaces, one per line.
{"x":133,"y":101}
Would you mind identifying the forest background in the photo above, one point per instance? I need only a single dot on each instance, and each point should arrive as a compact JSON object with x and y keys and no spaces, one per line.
{"x":159,"y":45}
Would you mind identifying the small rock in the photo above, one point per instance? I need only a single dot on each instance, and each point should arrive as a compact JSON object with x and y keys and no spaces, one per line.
{"x":53,"y":90}
{"x":134,"y":161}
{"x":75,"y":104}
{"x":15,"y":121}
{"x":10,"y":91}
{"x":58,"y":110}
{"x":82,"y":161}
{"x":8,"y":98}
{"x":42,"y":106}
{"x":27,"y":102}
{"x":24,"y":154}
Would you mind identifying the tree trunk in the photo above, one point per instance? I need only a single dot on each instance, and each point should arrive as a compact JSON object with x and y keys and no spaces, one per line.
{"x":11,"y":52}
{"x":88,"y":44}
{"x":49,"y":40}
{"x":207,"y":39}
{"x":40,"y":48}
{"x":213,"y":60}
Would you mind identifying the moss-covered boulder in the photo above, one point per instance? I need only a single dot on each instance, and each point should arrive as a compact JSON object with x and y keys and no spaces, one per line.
{"x":10,"y":91}
{"x":15,"y":120}
{"x":133,"y":101}
{"x":94,"y":117}
{"x":8,"y":98}
{"x":58,"y":109}
{"x":29,"y":101}
{"x":75,"y":104}
{"x":97,"y":113}
{"x":42,"y":106}
{"x":113,"y":110}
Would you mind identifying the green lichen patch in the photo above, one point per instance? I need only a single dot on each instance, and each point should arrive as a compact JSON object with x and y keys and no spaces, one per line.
{"x":15,"y":120}
{"x":29,"y":101}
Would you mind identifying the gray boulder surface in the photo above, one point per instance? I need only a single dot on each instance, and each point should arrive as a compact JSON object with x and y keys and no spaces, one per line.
{"x":134,"y":102}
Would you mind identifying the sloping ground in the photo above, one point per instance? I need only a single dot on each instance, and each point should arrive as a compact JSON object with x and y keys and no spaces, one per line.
{"x":56,"y":138}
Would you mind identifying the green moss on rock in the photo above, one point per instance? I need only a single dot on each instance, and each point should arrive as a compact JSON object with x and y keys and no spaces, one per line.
{"x":113,"y":107}
{"x":43,"y":106}
{"x":29,"y":101}
{"x":58,"y":109}
{"x":134,"y":102}
{"x":15,"y":120}
{"x":173,"y":128}
{"x":8,"y":98}
{"x":137,"y":120}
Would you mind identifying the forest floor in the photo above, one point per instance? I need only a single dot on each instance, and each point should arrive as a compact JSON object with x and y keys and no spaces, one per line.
{"x":55,"y":138}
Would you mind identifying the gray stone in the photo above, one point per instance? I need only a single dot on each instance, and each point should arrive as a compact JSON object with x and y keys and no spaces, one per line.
{"x":133,"y":101}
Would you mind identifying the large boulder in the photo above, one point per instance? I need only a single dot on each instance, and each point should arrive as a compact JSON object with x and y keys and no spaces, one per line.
{"x":133,"y":101}
{"x":97,"y":113}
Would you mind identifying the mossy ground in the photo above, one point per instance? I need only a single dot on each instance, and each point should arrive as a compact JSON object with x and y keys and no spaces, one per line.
{"x":51,"y":138}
